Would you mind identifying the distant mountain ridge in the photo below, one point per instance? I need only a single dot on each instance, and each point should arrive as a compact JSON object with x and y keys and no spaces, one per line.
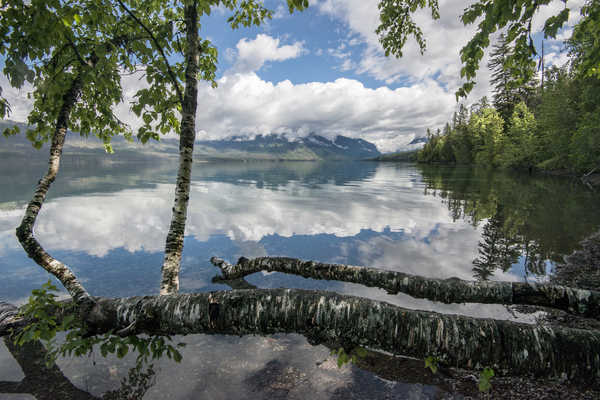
{"x":311,"y":147}
{"x":261,"y":147}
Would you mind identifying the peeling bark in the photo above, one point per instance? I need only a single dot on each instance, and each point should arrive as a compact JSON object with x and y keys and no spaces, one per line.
{"x":325,"y":317}
{"x":330,"y":318}
{"x":187,"y":136}
{"x":25,"y":231}
{"x":9,"y":318}
{"x":576,"y":301}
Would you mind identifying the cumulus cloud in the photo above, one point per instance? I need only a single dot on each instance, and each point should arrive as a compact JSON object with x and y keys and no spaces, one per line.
{"x":445,"y":37}
{"x":20,"y":105}
{"x":245,"y":104}
{"x":253,"y":54}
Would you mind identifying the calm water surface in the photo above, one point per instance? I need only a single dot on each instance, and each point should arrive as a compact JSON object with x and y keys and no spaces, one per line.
{"x":108,"y":222}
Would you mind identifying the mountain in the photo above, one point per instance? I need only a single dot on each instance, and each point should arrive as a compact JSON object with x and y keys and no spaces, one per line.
{"x":311,"y":147}
{"x":262,"y":147}
{"x":418,"y":140}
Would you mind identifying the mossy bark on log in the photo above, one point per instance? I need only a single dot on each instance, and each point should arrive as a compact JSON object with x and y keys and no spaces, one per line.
{"x":577,"y":301}
{"x":325,"y":317}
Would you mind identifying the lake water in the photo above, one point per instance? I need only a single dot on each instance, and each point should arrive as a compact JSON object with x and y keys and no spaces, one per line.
{"x":108,"y":222}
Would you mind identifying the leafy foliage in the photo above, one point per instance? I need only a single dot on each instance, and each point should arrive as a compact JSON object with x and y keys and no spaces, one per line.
{"x":432,"y":362}
{"x":41,"y":309}
{"x":54,"y":44}
{"x":485,"y":378}
{"x":344,"y":358}
{"x":397,"y":25}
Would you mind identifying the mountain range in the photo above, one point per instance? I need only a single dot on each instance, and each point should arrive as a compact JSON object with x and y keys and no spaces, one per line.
{"x":261,"y":147}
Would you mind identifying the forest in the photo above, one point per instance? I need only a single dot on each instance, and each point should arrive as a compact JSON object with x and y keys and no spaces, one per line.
{"x":548,"y":124}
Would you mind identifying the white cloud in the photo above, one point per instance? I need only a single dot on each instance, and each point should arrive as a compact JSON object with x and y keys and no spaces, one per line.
{"x":253,"y":54}
{"x":20,"y":105}
{"x":244,"y":104}
{"x":445,"y":37}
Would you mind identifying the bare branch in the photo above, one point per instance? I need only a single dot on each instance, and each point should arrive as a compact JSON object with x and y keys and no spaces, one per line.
{"x":454,"y":290}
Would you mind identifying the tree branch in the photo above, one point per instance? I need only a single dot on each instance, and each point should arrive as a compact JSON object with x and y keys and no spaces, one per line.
{"x":158,"y":47}
{"x":453,"y":290}
{"x":42,"y":382}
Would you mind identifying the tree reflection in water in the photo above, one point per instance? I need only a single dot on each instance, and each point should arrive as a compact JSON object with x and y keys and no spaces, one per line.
{"x":47,"y":382}
{"x":532,"y":221}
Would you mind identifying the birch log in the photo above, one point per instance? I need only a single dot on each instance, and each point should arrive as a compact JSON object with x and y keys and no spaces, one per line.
{"x":332,"y":318}
{"x":576,"y":301}
{"x":325,"y":317}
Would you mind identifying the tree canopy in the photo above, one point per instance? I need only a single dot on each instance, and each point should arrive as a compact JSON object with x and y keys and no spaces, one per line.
{"x":397,"y":25}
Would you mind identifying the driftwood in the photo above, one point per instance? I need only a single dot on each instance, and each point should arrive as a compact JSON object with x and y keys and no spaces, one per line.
{"x":576,"y":301}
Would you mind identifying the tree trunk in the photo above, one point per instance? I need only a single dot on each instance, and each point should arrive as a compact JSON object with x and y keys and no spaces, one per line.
{"x":174,"y":243}
{"x":25,"y":231}
{"x":330,"y":318}
{"x":325,"y":317}
{"x":577,"y":301}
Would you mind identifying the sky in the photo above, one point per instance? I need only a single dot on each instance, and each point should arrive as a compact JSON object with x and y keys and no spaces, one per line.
{"x":323,"y":71}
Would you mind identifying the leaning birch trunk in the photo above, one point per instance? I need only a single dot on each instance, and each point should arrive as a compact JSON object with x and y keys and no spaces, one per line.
{"x":25,"y":231}
{"x":174,"y":242}
{"x":576,"y":301}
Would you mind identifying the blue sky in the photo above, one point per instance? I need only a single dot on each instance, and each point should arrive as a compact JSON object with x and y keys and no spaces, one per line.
{"x":323,"y":71}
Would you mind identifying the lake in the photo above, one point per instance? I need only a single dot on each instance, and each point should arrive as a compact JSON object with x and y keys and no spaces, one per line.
{"x":108,"y":222}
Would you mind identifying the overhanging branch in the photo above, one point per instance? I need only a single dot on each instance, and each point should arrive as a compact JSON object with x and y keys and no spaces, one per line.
{"x":158,"y":47}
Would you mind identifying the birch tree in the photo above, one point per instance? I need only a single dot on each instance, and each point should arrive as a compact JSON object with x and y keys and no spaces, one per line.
{"x":72,"y":54}
{"x":173,"y":89}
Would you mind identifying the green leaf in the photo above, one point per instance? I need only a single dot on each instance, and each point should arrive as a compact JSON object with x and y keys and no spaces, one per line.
{"x":484,"y":379}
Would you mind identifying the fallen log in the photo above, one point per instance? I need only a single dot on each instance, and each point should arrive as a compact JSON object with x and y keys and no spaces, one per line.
{"x":329,"y":317}
{"x":325,"y":317}
{"x":453,"y":290}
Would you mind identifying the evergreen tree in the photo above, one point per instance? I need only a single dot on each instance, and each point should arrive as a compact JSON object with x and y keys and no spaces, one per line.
{"x":485,"y":127}
{"x":519,"y":147}
{"x":509,"y":82}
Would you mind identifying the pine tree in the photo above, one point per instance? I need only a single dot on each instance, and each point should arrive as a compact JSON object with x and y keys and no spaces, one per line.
{"x":511,"y":84}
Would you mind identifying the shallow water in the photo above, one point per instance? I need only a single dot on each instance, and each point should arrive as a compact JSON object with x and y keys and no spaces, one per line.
{"x":108,"y":222}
